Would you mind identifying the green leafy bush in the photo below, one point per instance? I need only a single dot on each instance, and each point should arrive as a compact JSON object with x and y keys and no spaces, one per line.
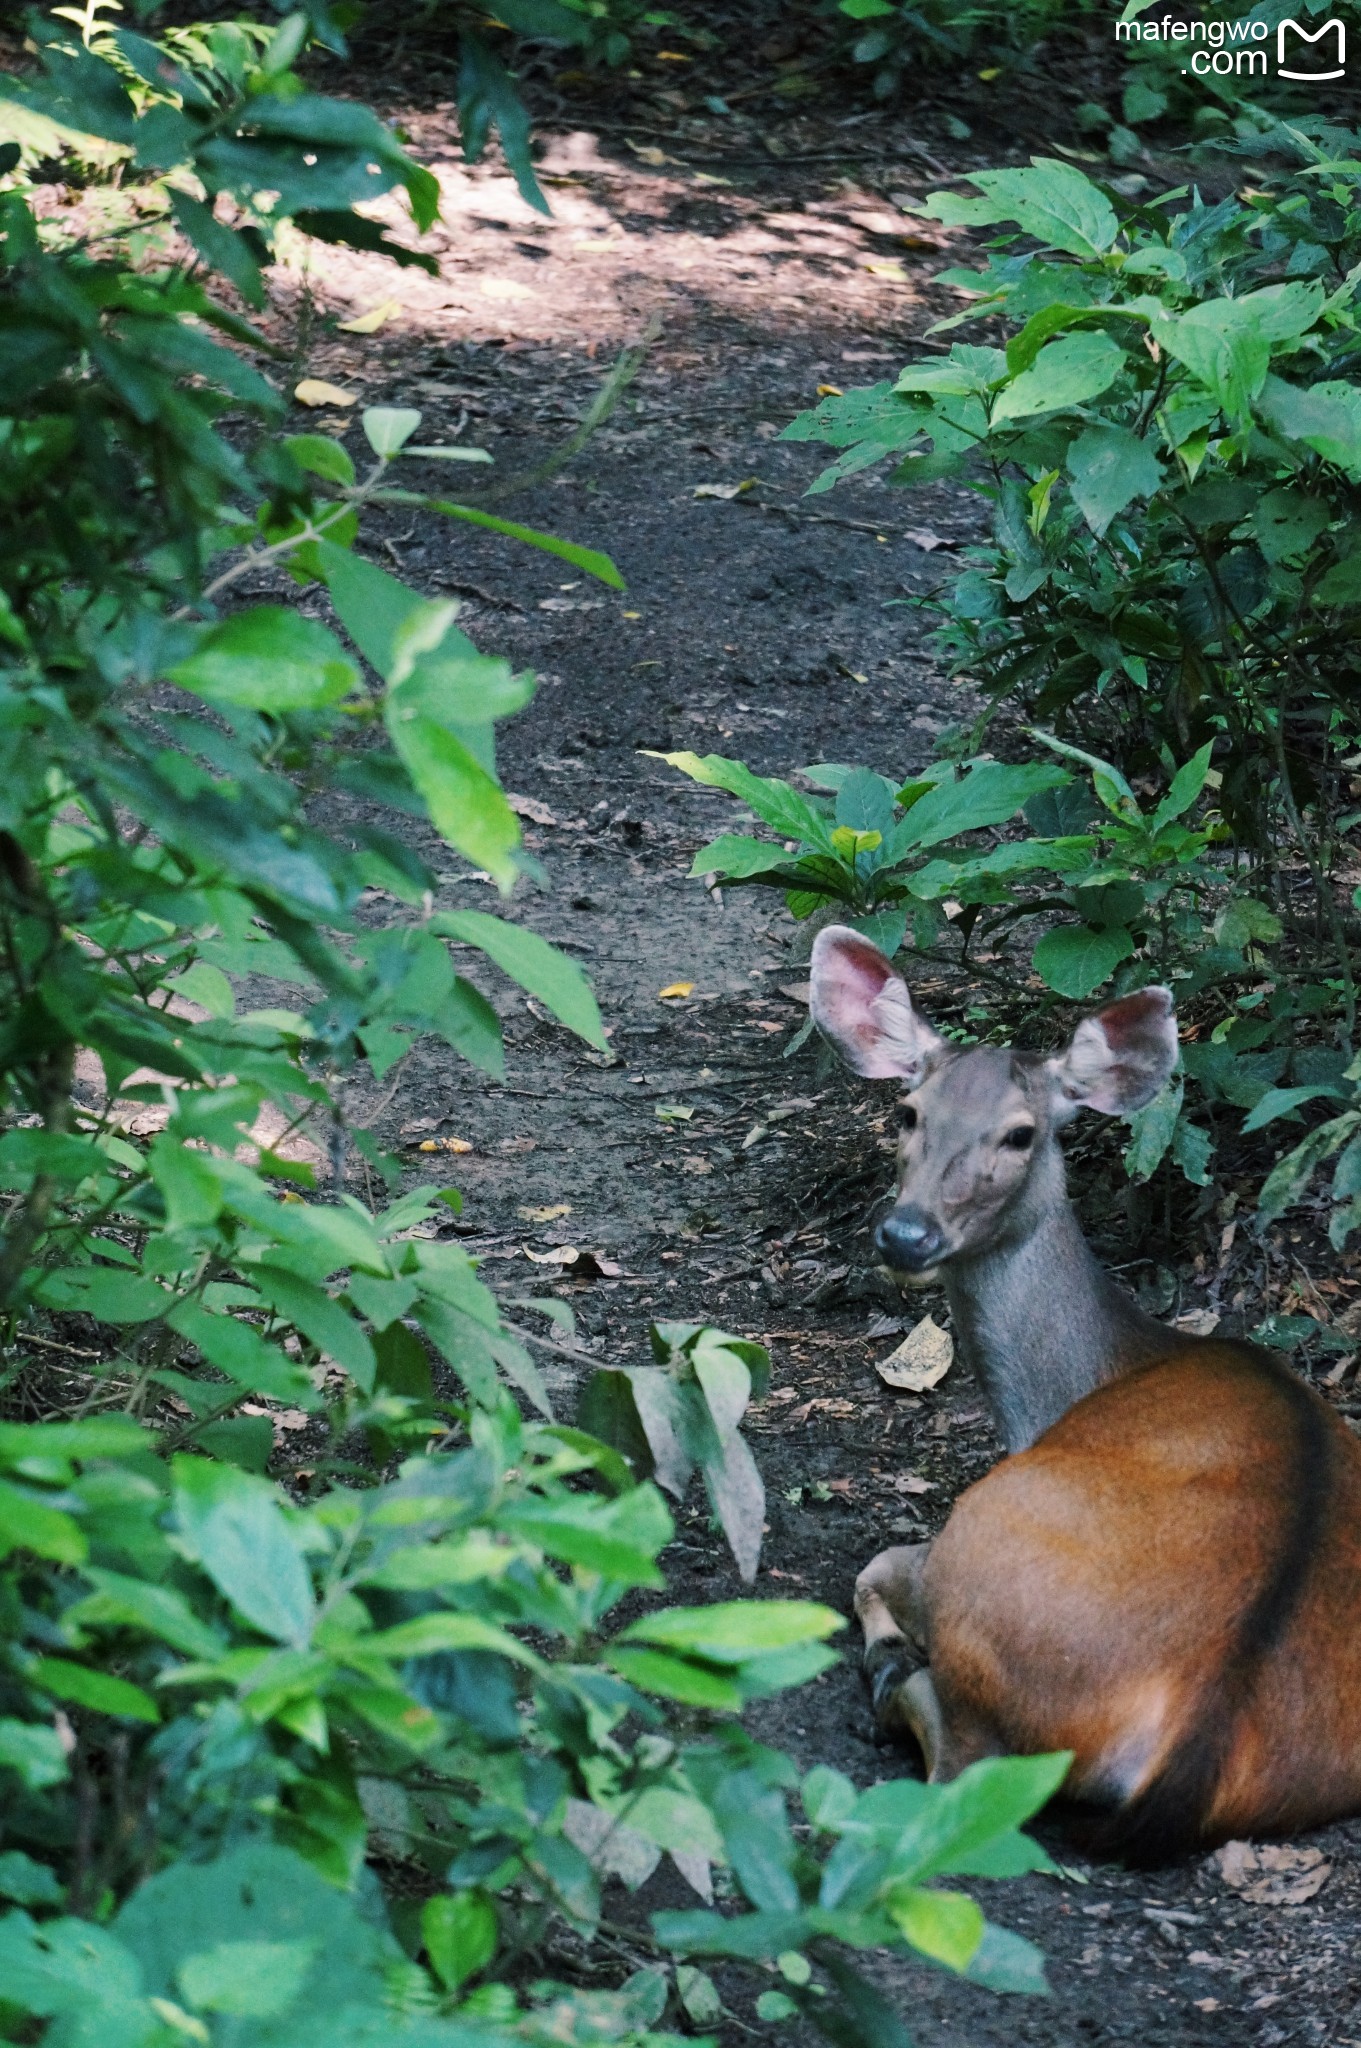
{"x":1170,"y":444}
{"x":892,"y":38}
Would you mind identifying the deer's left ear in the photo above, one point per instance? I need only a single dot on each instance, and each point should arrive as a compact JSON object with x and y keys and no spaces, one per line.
{"x":1118,"y":1059}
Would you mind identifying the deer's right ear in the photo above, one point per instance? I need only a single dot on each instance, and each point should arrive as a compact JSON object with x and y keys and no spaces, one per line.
{"x":864,"y":1009}
{"x":1118,"y":1059}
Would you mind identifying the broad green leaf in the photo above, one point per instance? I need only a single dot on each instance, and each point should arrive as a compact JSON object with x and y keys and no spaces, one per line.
{"x":388,"y":428}
{"x":695,"y":1988}
{"x":1004,"y":1961}
{"x":222,"y":248}
{"x":675,"y":1678}
{"x":459,"y":1931}
{"x":377,"y":610}
{"x":237,"y":1349}
{"x":1325,"y":417}
{"x":1110,"y":467}
{"x":1278,"y":1102}
{"x":773,"y":801}
{"x":321,"y":1319}
{"x":28,"y":1523}
{"x":429,"y":1635}
{"x":324,"y":457}
{"x":99,"y":1436}
{"x":1187,"y":784}
{"x":268,"y":659}
{"x":947,"y":1926}
{"x":731,"y":1631}
{"x":120,"y":1601}
{"x":231,"y":1523}
{"x":467,"y":805}
{"x":733,"y":855}
{"x":986,"y":1800}
{"x":26,"y":1153}
{"x":1222,"y":343}
{"x":193,"y":1191}
{"x":757,"y":1936}
{"x":33,"y":1750}
{"x":1151,"y":1129}
{"x":1287,"y":522}
{"x":557,"y":981}
{"x":1066,"y":373}
{"x":104,"y":1292}
{"x":98,"y":1691}
{"x":247,"y":1979}
{"x":27,"y":1882}
{"x":467,"y":1021}
{"x":987,"y":794}
{"x":828,"y":1797}
{"x":1074,"y":960}
{"x":757,"y":1837}
{"x":1052,"y":201}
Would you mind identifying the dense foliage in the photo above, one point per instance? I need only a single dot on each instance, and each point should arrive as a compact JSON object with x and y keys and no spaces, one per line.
{"x":346,"y":1760}
{"x":1170,"y":445}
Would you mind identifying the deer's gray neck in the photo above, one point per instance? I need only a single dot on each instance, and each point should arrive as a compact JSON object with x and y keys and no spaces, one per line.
{"x":1041,"y":1324}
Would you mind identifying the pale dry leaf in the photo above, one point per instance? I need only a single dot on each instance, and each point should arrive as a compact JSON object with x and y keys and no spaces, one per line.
{"x":922,"y":537}
{"x":725,"y":490}
{"x":370,"y":322}
{"x":561,"y":1255}
{"x":894,"y":272}
{"x":921,"y":1361}
{"x":316,"y":391}
{"x":695,"y":1162}
{"x":506,"y":288}
{"x":444,"y":1145}
{"x":609,"y":1844}
{"x":1197,"y":1322}
{"x":908,"y":1482}
{"x":676,"y":988}
{"x":530,"y":807}
{"x":797,"y":991}
{"x":517,"y":1144}
{"x":696,"y":1871}
{"x":549,"y":1214}
{"x":1272,"y":1874}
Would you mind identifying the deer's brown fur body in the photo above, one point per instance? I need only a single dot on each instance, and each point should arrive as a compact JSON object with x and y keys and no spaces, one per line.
{"x":1165,"y":1576}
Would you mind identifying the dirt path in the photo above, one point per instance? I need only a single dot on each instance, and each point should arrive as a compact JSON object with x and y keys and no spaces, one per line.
{"x":724,"y":1183}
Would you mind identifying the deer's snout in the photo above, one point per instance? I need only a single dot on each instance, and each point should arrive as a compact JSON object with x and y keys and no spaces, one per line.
{"x":909,"y":1240}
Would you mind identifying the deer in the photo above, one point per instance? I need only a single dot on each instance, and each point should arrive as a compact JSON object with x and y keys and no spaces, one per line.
{"x":1162,"y":1575}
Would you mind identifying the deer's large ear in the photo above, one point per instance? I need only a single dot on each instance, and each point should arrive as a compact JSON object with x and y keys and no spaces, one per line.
{"x":1118,"y":1059}
{"x":864,"y":1009}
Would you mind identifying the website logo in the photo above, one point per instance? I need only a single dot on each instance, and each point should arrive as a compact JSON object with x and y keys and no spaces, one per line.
{"x":1238,"y":49}
{"x":1316,"y":36}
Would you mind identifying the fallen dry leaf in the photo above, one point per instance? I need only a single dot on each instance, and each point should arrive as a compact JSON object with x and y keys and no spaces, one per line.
{"x":561,"y":1255}
{"x":530,"y":807}
{"x":316,"y":391}
{"x":673,"y":1112}
{"x":582,"y":1265}
{"x":676,"y":988}
{"x":908,"y":1482}
{"x":921,"y":1361}
{"x":695,"y":1162}
{"x":830,"y":391}
{"x":550,"y":1214}
{"x":1271,"y":1874}
{"x":444,"y":1145}
{"x":1205,"y":2004}
{"x":1197,"y":1322}
{"x":797,"y":991}
{"x":893,"y":271}
{"x":922,"y":537}
{"x":370,"y":322}
{"x":725,"y":490}
{"x":648,"y":153}
{"x":506,"y":288}
{"x":517,"y":1144}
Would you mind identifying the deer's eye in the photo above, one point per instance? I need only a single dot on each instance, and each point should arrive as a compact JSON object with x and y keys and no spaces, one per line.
{"x":909,"y":1118}
{"x":1021,"y":1139}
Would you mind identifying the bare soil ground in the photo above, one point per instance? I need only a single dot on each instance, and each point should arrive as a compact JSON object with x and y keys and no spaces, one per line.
{"x":724,"y":1182}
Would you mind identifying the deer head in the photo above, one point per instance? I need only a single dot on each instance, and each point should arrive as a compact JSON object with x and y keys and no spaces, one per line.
{"x":979,"y":1163}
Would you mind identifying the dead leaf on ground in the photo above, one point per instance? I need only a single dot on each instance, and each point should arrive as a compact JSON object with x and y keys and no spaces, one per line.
{"x":517,"y":1145}
{"x":370,"y":322}
{"x":673,"y":1112}
{"x":581,"y":1265}
{"x":797,"y":991}
{"x":725,"y":490}
{"x":571,"y":604}
{"x":893,"y":271}
{"x":922,"y":537}
{"x":444,"y":1145}
{"x":506,"y":288}
{"x":1270,"y":1874}
{"x":550,"y":1214}
{"x":695,"y":1162}
{"x":908,"y":1482}
{"x":676,"y":988}
{"x":530,"y":807}
{"x":921,"y":1361}
{"x":316,"y":391}
{"x":1197,"y":1322}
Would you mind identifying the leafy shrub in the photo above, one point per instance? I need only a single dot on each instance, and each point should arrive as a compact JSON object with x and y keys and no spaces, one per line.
{"x":893,"y":37}
{"x":1170,"y":443}
{"x":322,"y":1770}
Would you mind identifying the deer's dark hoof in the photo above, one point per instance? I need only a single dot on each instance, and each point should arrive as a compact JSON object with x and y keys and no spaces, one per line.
{"x":888,"y":1664}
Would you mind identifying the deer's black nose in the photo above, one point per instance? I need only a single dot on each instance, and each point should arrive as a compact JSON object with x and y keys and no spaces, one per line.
{"x":908,"y":1240}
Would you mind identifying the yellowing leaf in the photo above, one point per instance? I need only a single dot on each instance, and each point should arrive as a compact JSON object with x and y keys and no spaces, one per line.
{"x":830,"y":391}
{"x":993,"y":71}
{"x":444,"y":1145}
{"x":725,"y":490}
{"x":921,"y":1361}
{"x":370,"y":322}
{"x":315,"y":391}
{"x":887,"y":268}
{"x":550,"y":1214}
{"x":676,"y":988}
